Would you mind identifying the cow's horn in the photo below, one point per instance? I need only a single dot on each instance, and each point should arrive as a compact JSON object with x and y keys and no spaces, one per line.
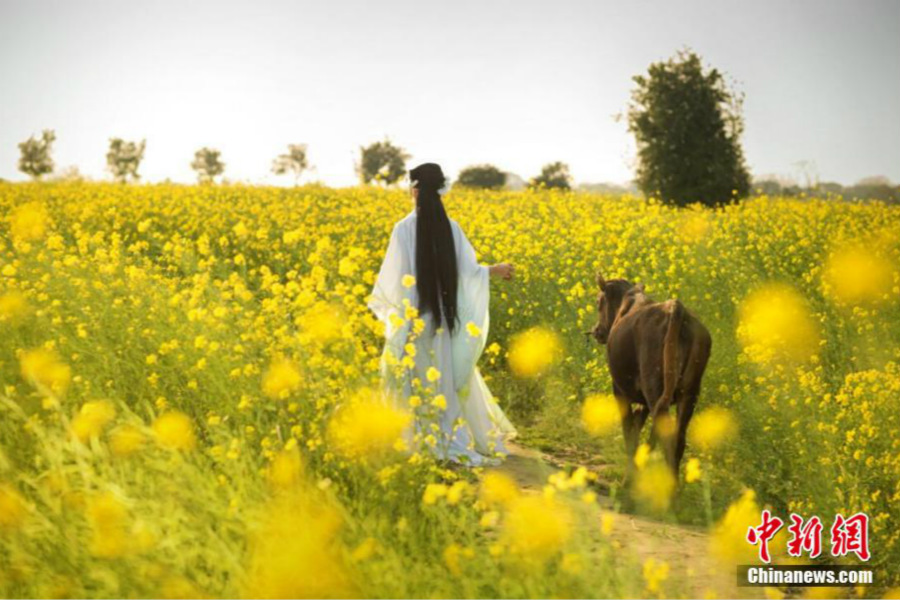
{"x":600,"y":281}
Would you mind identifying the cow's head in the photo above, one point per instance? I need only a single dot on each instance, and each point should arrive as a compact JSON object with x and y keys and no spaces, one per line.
{"x":614,"y":295}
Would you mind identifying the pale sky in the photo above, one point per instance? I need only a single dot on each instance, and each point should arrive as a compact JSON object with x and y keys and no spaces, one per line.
{"x":517,"y":84}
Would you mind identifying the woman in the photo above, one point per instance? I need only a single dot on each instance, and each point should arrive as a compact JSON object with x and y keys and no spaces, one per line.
{"x":430,"y":272}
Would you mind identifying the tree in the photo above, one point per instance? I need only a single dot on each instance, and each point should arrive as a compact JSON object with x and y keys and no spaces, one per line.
{"x":485,"y":177}
{"x":382,"y":162}
{"x":124,"y":158}
{"x":553,"y":175}
{"x":294,"y":161}
{"x":874,"y":188}
{"x":36,"y":160}
{"x":687,"y":126}
{"x":208,"y":164}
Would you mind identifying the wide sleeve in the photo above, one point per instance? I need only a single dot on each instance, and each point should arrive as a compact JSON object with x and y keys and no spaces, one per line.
{"x":472,"y":305}
{"x":389,"y":292}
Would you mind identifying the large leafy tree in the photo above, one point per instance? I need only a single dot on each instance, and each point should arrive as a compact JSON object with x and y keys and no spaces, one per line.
{"x":293,"y":162}
{"x":208,"y":164}
{"x":687,"y":125}
{"x":36,"y":159}
{"x":553,"y":175}
{"x":123,"y":158}
{"x":486,"y":177}
{"x":382,"y":162}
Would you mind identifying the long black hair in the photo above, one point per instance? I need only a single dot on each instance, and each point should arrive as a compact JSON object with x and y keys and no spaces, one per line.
{"x":437,"y":276}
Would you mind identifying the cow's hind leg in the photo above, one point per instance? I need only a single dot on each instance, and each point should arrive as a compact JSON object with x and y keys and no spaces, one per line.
{"x":633,"y":419}
{"x":662,"y":429}
{"x":690,"y":391}
{"x":685,"y":411}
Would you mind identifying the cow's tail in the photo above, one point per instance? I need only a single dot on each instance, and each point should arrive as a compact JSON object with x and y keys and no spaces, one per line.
{"x":671,"y":366}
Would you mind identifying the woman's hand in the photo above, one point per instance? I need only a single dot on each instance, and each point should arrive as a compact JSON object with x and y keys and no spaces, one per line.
{"x":504,"y":270}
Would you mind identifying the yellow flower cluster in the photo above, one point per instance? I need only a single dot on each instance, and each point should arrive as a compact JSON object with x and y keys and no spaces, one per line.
{"x":188,"y":381}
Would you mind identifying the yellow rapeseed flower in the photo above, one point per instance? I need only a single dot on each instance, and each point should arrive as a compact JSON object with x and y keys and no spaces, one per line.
{"x":498,"y":489}
{"x":654,"y":486}
{"x":857,"y":275}
{"x":13,"y":307}
{"x":12,"y":508}
{"x":776,"y":325}
{"x":533,"y":352}
{"x":323,"y":323}
{"x":600,"y":414}
{"x":368,"y":427}
{"x":174,"y":430}
{"x":537,"y":527}
{"x":295,"y":551}
{"x":126,"y":440}
{"x":712,"y":428}
{"x":93,"y":417}
{"x":433,"y":492}
{"x":728,"y":542}
{"x":692,"y":471}
{"x":43,"y":369}
{"x":286,"y":468}
{"x":108,"y":516}
{"x":281,"y":379}
{"x":641,"y":456}
{"x":29,"y":222}
{"x":655,"y":573}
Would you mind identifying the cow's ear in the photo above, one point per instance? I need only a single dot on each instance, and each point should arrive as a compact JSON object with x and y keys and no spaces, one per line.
{"x":640,"y":287}
{"x":600,"y":281}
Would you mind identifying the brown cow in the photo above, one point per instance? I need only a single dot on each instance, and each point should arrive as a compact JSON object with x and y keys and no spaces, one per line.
{"x":657,"y":352}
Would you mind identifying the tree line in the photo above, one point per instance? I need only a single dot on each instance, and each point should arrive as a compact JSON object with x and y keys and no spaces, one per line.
{"x":686,"y":120}
{"x":380,"y":163}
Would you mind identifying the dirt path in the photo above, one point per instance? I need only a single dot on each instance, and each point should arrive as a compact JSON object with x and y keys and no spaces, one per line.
{"x":685,"y":549}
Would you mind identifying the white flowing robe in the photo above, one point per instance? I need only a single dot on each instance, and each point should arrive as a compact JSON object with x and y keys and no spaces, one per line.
{"x":483,"y":427}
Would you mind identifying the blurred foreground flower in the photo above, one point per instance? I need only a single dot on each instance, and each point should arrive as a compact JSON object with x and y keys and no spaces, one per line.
{"x":694,"y":227}
{"x":692,"y":470}
{"x":533,"y":352}
{"x":29,"y":222}
{"x":107,"y":515}
{"x":286,"y":468}
{"x":174,"y":430}
{"x":126,"y":440}
{"x":728,"y":542}
{"x":712,"y":428}
{"x":776,"y":324}
{"x":281,"y":379}
{"x":295,"y":551}
{"x":600,"y":414}
{"x":13,"y":307}
{"x":93,"y":417}
{"x":322,"y":323}
{"x":655,"y":572}
{"x":654,"y":486}
{"x":12,"y":508}
{"x":498,"y":489}
{"x":856,"y":276}
{"x":44,"y":370}
{"x":537,"y":527}
{"x":368,"y":426}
